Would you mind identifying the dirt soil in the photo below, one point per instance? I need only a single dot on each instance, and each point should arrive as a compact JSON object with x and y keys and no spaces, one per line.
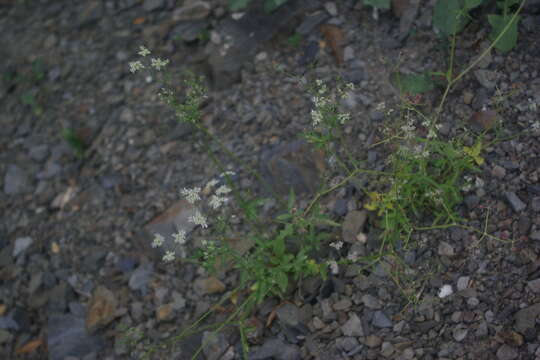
{"x":75,"y":262}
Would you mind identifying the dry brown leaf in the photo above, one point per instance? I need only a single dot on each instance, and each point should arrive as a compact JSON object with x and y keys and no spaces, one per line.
{"x":399,"y":7}
{"x":271,"y":317}
{"x":101,"y":309}
{"x":55,"y":248}
{"x":3,"y":309}
{"x":484,"y":120}
{"x":29,"y":347}
{"x":139,"y":20}
{"x":335,"y":39}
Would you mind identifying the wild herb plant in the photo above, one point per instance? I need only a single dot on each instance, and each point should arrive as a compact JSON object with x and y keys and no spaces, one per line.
{"x":424,"y":179}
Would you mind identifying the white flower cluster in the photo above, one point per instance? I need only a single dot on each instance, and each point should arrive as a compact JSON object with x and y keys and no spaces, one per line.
{"x":156,"y":63}
{"x":337,"y":245}
{"x":323,"y":104}
{"x":159,"y":240}
{"x":193,"y":195}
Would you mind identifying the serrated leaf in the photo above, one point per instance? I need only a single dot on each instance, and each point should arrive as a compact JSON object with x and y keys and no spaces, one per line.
{"x":235,"y":5}
{"x":282,"y":280}
{"x":379,"y":4}
{"x":449,"y":16}
{"x":412,"y":83}
{"x":509,"y":39}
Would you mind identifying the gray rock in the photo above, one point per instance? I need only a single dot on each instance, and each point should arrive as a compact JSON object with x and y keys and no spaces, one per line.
{"x":380,"y":320}
{"x":189,"y":31}
{"x":463,"y":283}
{"x":514,"y":201}
{"x":292,"y":165}
{"x":67,"y":336}
{"x":371,"y":302}
{"x":482,"y":330}
{"x":153,"y":5}
{"x":387,"y":349}
{"x":214,"y":345}
{"x":353,"y":326}
{"x":311,"y":21}
{"x":526,"y":318}
{"x":195,"y":10}
{"x":141,"y":276}
{"x":524,"y":224}
{"x":51,"y":169}
{"x":535,"y":235}
{"x":445,"y":249}
{"x":16,"y":181}
{"x":288,"y":314}
{"x":127,"y":115}
{"x":243,"y":38}
{"x":91,"y":13}
{"x":346,"y":343}
{"x":507,"y":352}
{"x":498,"y":172}
{"x":5,"y":336}
{"x":21,"y":244}
{"x":486,"y":78}
{"x":353,"y":224}
{"x":534,"y":285}
{"x":459,"y":333}
{"x":535,"y":203}
{"x":277,"y":349}
{"x":331,"y":8}
{"x":472,"y":201}
{"x":39,"y":152}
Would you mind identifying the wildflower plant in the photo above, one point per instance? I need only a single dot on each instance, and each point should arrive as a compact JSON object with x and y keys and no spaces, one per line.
{"x":423,"y":179}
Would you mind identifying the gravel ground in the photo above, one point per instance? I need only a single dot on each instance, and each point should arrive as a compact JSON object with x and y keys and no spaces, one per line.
{"x":75,"y":260}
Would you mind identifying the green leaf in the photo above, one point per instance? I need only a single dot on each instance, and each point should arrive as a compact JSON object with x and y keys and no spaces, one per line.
{"x":291,"y":201}
{"x":509,"y":39}
{"x":379,"y":4}
{"x":471,"y":4}
{"x":235,"y":5}
{"x":271,"y":5}
{"x":282,"y":280}
{"x":412,"y":83}
{"x":28,"y":99}
{"x":502,"y":4}
{"x":449,"y":16}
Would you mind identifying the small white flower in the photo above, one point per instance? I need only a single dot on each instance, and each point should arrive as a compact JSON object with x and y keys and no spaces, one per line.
{"x":380,"y":107}
{"x":169,"y":256}
{"x":216,"y":201}
{"x":180,"y":237}
{"x":135,"y":66}
{"x":223,"y":189}
{"x":337,"y":245}
{"x":198,"y":219}
{"x":158,"y":63}
{"x":158,"y":240}
{"x":212,"y":183}
{"x":316,"y":116}
{"x":191,"y":195}
{"x":333,"y":266}
{"x":228,"y":173}
{"x":143,"y":51}
{"x":445,"y":291}
{"x":343,"y":118}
